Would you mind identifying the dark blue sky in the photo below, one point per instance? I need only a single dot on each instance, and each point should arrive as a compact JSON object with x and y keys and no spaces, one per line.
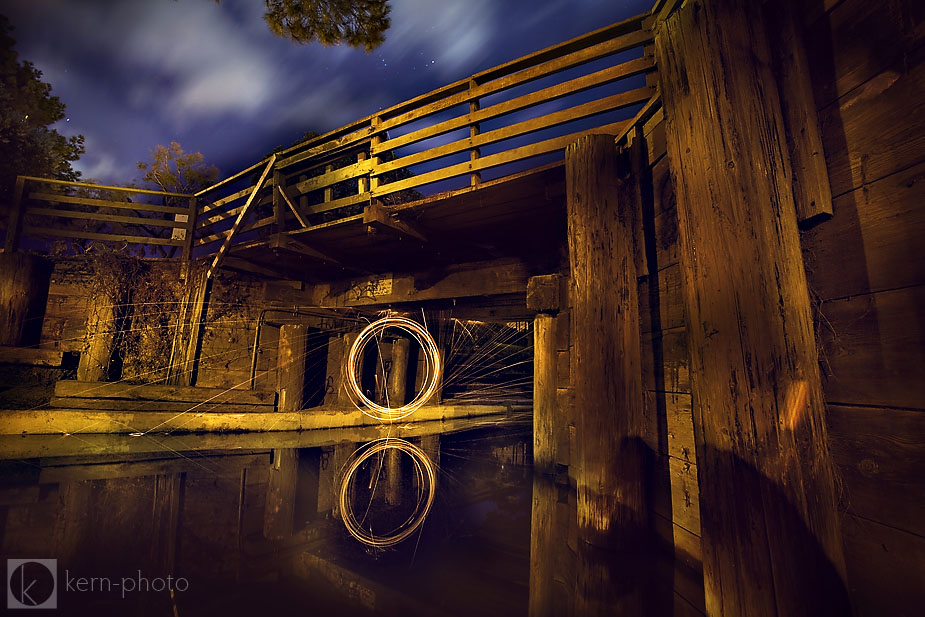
{"x":137,"y":73}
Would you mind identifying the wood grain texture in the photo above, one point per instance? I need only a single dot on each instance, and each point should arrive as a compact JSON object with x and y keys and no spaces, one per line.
{"x":874,"y":243}
{"x":765,"y":482}
{"x":873,"y":349}
{"x":611,"y":425}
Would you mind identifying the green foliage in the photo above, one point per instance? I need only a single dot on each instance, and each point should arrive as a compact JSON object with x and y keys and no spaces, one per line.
{"x":176,"y":171}
{"x":359,"y":23}
{"x":27,"y":108}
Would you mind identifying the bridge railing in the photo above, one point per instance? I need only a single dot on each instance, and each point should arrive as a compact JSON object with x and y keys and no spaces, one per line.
{"x":509,"y":118}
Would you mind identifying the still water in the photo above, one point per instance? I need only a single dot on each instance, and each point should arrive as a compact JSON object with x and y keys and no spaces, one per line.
{"x":437,"y":519}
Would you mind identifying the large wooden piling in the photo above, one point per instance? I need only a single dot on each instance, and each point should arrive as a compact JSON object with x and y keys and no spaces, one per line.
{"x":771,"y":538}
{"x":290,"y":366}
{"x":609,"y":402}
{"x":23,"y":293}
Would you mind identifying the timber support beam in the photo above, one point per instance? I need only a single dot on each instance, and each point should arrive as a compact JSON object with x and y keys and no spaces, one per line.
{"x":771,"y":539}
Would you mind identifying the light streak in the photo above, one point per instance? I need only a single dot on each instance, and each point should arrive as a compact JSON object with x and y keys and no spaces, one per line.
{"x":426,"y":475}
{"x":433,"y":366}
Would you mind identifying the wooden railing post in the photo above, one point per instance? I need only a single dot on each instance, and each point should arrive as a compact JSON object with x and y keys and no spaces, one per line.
{"x":374,"y":141}
{"x":475,"y":178}
{"x":328,"y":190}
{"x":190,"y":229}
{"x":362,"y":181}
{"x":12,"y":230}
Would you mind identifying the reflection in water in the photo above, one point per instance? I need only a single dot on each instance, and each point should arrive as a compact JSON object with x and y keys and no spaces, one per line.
{"x":370,"y":460}
{"x":252,"y":523}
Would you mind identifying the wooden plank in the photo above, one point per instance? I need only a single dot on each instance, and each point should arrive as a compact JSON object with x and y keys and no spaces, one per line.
{"x":875,"y":130}
{"x":349,"y":172}
{"x":566,"y":88}
{"x":104,"y":203}
{"x":676,"y":409}
{"x":269,"y":220}
{"x":218,"y":203}
{"x":236,"y":176}
{"x":665,"y":366}
{"x":873,"y":349}
{"x":879,"y":453}
{"x":886,"y":568}
{"x":669,"y":312}
{"x":334,"y":204}
{"x":121,"y":404}
{"x":378,"y":217}
{"x":118,"y":189}
{"x":282,"y":192}
{"x":155,"y":392}
{"x":686,"y":547}
{"x":112,"y":218}
{"x":812,"y":194}
{"x":34,"y":357}
{"x":676,"y":495}
{"x":521,"y":128}
{"x":501,"y":158}
{"x":242,"y":265}
{"x":874,"y":243}
{"x":857,"y":40}
{"x":487,"y":113}
{"x":87,"y":235}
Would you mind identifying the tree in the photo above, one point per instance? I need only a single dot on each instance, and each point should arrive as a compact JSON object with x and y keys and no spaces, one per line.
{"x":176,"y":171}
{"x":359,"y":23}
{"x":27,"y":108}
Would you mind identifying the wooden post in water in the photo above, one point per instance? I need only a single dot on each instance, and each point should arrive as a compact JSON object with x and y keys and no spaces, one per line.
{"x":278,"y":518}
{"x":771,"y":539}
{"x":398,"y":374}
{"x":609,"y":402}
{"x":290,"y":365}
{"x":24,"y":282}
{"x":549,"y":427}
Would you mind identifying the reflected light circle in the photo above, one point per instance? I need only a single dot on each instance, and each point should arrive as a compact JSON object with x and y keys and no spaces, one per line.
{"x":423,"y":467}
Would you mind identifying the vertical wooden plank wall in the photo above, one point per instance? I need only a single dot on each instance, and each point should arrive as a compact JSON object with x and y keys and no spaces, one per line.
{"x":866,"y":268}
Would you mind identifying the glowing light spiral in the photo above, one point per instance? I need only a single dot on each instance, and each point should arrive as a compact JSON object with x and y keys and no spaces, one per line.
{"x":425,"y":473}
{"x":432,"y":368}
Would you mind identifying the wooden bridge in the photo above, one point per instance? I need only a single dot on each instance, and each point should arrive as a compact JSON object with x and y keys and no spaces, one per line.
{"x":451,"y":175}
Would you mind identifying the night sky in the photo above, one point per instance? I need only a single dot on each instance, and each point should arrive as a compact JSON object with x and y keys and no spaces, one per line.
{"x":137,"y":73}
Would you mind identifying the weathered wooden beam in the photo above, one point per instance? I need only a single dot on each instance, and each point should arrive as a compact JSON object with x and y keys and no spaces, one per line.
{"x":298,"y":216}
{"x":543,"y":293}
{"x":771,"y":538}
{"x":240,"y":220}
{"x":33,"y":357}
{"x":242,"y":265}
{"x":160,"y":392}
{"x":812,"y":194}
{"x":377,"y":217}
{"x":104,"y":203}
{"x":285,"y":242}
{"x":610,"y":423}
